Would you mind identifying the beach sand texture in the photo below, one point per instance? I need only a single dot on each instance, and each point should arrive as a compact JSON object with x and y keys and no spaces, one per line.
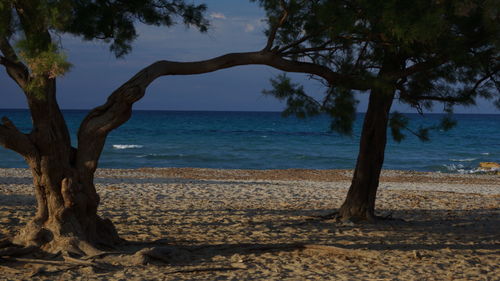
{"x":204,"y":224}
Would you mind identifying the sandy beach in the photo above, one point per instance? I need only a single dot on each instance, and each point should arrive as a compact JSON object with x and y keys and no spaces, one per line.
{"x":204,"y":224}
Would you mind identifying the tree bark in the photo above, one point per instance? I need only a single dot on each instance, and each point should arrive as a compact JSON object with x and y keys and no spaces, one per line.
{"x":66,"y":219}
{"x":360,"y":201}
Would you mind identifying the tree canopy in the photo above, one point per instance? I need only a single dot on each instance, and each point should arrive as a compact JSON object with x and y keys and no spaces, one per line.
{"x":442,"y":51}
{"x":417,"y":51}
{"x":27,"y":29}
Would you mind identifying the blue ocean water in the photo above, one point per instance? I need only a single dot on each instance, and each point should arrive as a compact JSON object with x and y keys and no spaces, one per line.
{"x":265,"y":140}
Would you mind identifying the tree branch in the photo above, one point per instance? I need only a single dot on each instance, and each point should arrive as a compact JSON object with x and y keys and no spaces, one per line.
{"x":296,"y":43}
{"x":437,"y":98}
{"x":13,"y":139}
{"x":308,"y":50}
{"x":15,"y":68}
{"x":274,"y":30}
{"x":7,"y":49}
{"x":117,"y":110}
{"x":16,"y":71}
{"x":419,"y":67}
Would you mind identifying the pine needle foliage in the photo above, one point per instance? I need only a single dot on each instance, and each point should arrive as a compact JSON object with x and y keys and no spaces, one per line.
{"x":446,"y":51}
{"x":27,"y":29}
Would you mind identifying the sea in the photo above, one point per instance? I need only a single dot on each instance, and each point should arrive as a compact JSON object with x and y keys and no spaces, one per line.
{"x":266,"y":140}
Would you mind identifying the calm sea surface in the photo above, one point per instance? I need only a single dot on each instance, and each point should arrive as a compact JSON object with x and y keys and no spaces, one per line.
{"x":265,"y":140}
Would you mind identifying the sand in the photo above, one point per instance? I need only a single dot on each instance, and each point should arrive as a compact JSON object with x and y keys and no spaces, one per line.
{"x":208,"y":224}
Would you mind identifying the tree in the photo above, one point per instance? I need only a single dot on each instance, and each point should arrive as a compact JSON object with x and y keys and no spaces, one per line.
{"x":417,"y":52}
{"x":67,"y":201}
{"x":66,"y":218}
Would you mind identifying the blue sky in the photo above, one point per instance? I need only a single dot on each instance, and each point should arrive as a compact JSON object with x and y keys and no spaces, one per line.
{"x":236,"y":26}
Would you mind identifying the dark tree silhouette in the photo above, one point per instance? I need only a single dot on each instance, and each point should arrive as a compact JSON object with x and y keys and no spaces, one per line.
{"x":301,"y":38}
{"x":417,"y":52}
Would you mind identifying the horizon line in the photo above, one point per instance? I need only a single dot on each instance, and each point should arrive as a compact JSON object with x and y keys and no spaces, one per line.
{"x":256,"y":111}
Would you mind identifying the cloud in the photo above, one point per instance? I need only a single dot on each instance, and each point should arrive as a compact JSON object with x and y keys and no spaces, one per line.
{"x":220,"y":16}
{"x":249,"y":27}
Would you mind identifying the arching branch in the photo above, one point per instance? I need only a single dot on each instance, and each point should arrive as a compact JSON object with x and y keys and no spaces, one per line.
{"x":117,"y":109}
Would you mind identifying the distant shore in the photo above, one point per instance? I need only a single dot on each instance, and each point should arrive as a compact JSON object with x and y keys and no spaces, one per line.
{"x":319,"y":175}
{"x":263,"y":224}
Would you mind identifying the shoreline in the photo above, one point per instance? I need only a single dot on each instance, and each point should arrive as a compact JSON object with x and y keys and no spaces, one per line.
{"x":292,"y":174}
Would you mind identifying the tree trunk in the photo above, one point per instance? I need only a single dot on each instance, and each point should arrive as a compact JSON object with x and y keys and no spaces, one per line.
{"x":360,"y":201}
{"x":66,"y":219}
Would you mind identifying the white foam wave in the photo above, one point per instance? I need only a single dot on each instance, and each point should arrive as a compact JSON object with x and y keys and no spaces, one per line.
{"x":464,"y":160}
{"x":461,"y":169}
{"x":485,"y":153}
{"x":455,"y":168}
{"x":127,"y":146}
{"x":149,"y":155}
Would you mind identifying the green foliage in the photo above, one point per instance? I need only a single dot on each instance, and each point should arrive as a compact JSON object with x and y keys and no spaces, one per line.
{"x":5,"y":20}
{"x":30,"y":27}
{"x":423,"y":134}
{"x":447,"y":123}
{"x":112,"y":21}
{"x":298,"y":103}
{"x":438,"y":51}
{"x":44,"y":65}
{"x":340,"y":105}
{"x":398,"y":122}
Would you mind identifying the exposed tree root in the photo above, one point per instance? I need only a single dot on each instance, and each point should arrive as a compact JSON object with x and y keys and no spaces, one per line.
{"x":56,"y":266}
{"x":210,"y":269}
{"x":5,"y":242}
{"x":330,"y":216}
{"x":69,"y":240}
{"x":17,"y":251}
{"x":165,"y":254}
{"x":335,"y":216}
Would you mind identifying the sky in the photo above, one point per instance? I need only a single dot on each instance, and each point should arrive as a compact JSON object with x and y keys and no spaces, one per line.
{"x":236,"y":26}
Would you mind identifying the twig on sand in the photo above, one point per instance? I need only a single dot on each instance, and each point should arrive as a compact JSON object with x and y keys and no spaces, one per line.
{"x":204,"y":270}
{"x":341,"y":251}
{"x":101,"y":255}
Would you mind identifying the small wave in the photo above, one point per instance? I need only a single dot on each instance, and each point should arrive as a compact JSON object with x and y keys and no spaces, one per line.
{"x":127,"y":146}
{"x":454,"y":168}
{"x":485,"y":153}
{"x":461,"y":169}
{"x":464,"y":160}
{"x":161,"y":156}
{"x":458,"y":168}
